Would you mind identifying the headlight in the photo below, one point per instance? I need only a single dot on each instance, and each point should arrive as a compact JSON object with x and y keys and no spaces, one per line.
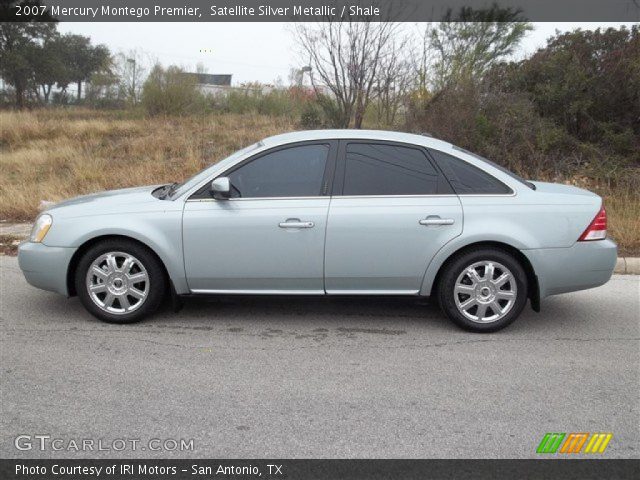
{"x":41,"y":227}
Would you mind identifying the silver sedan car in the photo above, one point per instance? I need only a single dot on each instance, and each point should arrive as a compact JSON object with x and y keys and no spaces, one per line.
{"x":329,"y":212}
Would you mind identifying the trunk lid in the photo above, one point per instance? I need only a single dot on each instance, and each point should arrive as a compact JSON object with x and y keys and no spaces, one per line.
{"x":562,"y":189}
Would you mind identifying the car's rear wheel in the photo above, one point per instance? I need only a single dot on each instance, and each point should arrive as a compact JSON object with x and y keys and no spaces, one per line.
{"x":483,"y":290}
{"x":120,"y":281}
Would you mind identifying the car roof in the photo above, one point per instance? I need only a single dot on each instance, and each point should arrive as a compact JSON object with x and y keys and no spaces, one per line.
{"x":310,"y":135}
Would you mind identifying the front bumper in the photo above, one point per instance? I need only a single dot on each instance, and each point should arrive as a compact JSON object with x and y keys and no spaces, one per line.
{"x":45,"y":267}
{"x":584,"y":265}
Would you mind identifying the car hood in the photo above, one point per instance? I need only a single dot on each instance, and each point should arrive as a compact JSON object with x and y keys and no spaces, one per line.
{"x":110,"y":201}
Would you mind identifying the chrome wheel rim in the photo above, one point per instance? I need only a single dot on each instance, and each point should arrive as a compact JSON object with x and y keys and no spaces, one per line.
{"x":118,"y":283}
{"x":485,"y":292}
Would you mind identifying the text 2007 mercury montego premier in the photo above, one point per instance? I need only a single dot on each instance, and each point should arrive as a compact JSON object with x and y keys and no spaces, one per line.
{"x":329,"y":212}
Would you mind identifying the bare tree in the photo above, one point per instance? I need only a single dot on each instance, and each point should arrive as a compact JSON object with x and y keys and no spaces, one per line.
{"x":422,"y":60}
{"x":393,"y":82}
{"x":345,"y":57}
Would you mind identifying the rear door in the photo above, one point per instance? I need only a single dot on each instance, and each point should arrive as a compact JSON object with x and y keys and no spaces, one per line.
{"x":390,"y":212}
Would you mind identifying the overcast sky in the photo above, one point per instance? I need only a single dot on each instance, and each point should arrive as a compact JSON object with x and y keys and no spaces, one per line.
{"x":250,"y":51}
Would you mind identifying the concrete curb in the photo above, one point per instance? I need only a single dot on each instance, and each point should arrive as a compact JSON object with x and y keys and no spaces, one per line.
{"x":628,"y":265}
{"x":624,"y":265}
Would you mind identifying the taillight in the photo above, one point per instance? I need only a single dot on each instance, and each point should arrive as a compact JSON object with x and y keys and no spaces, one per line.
{"x":597,"y":229}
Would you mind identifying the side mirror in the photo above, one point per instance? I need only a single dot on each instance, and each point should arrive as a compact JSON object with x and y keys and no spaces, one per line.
{"x":221,"y":188}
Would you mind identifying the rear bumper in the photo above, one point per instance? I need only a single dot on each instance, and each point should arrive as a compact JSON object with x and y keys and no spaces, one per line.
{"x":45,"y":267}
{"x":584,"y":265}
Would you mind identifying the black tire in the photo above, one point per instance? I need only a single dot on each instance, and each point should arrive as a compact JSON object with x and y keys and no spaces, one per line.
{"x":457,"y":265}
{"x":154,"y":270}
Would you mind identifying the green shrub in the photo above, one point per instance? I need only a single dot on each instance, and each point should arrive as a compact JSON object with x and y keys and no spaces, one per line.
{"x":170,"y":92}
{"x":311,"y":116}
{"x":255,"y":98}
{"x":332,"y":114}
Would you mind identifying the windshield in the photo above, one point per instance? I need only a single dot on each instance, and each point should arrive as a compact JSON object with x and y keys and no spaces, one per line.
{"x":499,"y":167}
{"x":178,"y":189}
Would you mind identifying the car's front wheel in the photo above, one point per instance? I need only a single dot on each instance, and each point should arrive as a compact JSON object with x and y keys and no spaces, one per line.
{"x":120,"y":281}
{"x":483,"y":290}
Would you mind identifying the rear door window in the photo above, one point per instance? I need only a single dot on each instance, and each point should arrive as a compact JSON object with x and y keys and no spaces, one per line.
{"x":389,"y":170}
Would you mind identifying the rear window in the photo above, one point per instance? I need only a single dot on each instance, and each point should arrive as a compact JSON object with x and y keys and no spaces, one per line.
{"x":499,"y":167}
{"x":467,"y":179}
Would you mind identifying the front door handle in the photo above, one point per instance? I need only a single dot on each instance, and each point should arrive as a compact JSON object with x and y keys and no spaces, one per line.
{"x":295,"y":223}
{"x":436,"y":220}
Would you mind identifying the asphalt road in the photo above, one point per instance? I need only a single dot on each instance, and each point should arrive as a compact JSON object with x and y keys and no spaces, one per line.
{"x":293,"y":378}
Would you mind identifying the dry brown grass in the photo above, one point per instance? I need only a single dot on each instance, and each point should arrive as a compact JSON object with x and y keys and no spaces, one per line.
{"x":57,"y":154}
{"x":623,"y":220}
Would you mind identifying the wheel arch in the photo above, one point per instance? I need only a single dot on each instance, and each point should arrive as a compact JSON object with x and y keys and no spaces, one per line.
{"x":82,"y":249}
{"x":533,"y":292}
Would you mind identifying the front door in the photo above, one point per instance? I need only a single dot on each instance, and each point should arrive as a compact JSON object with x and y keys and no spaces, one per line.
{"x":269,"y":236}
{"x":391,"y":212}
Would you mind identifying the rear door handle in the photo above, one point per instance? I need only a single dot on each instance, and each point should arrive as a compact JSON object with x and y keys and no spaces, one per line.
{"x":296,"y":223}
{"x":436,"y":220}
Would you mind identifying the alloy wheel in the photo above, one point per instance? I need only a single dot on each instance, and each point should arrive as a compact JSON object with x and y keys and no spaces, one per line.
{"x":485,"y":291}
{"x":117,"y":282}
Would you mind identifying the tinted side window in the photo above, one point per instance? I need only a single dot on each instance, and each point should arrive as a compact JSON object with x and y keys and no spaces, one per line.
{"x":467,"y":179}
{"x":499,"y":167}
{"x":292,"y":172}
{"x":379,"y":169}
